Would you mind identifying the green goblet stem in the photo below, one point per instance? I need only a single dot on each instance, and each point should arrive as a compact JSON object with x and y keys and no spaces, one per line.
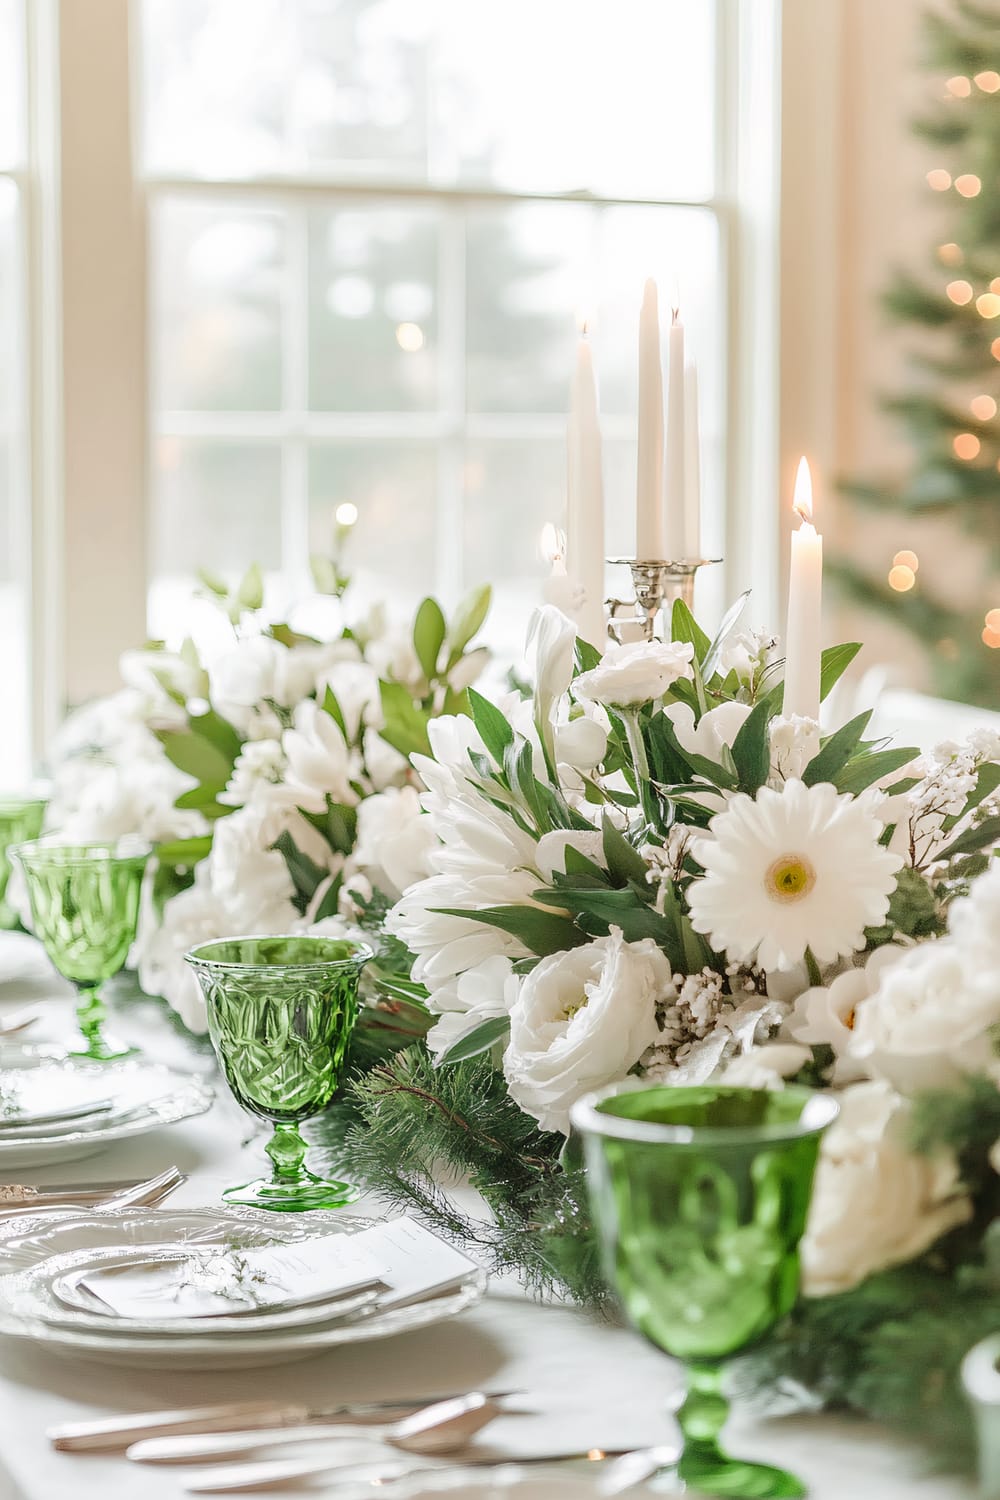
{"x":91,"y":1013}
{"x":287,"y":1151}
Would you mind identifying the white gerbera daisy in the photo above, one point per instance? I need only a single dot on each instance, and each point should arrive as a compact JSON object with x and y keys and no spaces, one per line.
{"x":794,"y":869}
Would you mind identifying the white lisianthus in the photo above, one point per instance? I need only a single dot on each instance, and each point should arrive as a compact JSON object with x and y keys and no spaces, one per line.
{"x":766,"y":1066}
{"x":395,"y":839}
{"x":792,"y":869}
{"x":875,"y":1203}
{"x":582,"y":1019}
{"x":824,"y":1015}
{"x":930,"y":1021}
{"x":193,"y":916}
{"x":320,"y":764}
{"x":637,"y":673}
{"x":581,"y":743}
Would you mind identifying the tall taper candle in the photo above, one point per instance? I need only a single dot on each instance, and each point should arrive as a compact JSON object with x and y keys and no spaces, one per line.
{"x":585,"y":509}
{"x":692,"y":463}
{"x":803,"y":645}
{"x":674,"y":485}
{"x":649,"y":532}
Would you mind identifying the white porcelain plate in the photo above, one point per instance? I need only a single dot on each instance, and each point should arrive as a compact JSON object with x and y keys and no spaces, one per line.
{"x":34,"y":1253}
{"x":147,"y":1096}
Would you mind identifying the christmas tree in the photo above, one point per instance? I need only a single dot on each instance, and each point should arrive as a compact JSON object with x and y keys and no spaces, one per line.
{"x":949,"y":409}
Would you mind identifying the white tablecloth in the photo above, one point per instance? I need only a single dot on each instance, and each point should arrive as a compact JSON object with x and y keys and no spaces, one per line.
{"x":598,"y":1384}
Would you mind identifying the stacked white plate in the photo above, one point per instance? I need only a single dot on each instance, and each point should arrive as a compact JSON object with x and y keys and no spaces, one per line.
{"x":44,"y":1262}
{"x":54,"y":1112}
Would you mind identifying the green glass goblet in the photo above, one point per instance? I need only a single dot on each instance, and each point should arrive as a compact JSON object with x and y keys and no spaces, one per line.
{"x":280,"y":1014}
{"x":700,"y":1197}
{"x":85,"y":907}
{"x":20,"y":819}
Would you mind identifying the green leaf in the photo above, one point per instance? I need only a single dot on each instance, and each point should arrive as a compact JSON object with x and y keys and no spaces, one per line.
{"x":457,"y":703}
{"x":219,"y":732}
{"x":341,"y":828}
{"x":494,"y":728}
{"x":586,"y":655}
{"x":480,"y":1039}
{"x":867,"y":769}
{"x":751,"y":749}
{"x":834,"y":663}
{"x":324,"y":574}
{"x":331,"y":706}
{"x":597,"y":911}
{"x":684,"y":627}
{"x":184,"y":852}
{"x":541,"y":932}
{"x":836,"y":751}
{"x":467,"y":621}
{"x":662,"y":728}
{"x":211,"y":581}
{"x":711,"y":661}
{"x":196,"y":756}
{"x":624,"y":862}
{"x":250,"y":592}
{"x":429,"y":630}
{"x":306,"y":874}
{"x":985,"y":833}
{"x":330,"y":903}
{"x":405,"y":727}
{"x":286,"y":636}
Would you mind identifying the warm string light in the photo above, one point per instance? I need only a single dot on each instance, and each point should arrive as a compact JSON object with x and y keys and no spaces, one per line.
{"x":907,"y":559}
{"x":901,"y":578}
{"x":968,"y":185}
{"x":939,"y":180}
{"x":960,"y":292}
{"x":988,"y":305}
{"x":983,"y":408}
{"x":959,"y":87}
{"x":966,"y":446}
{"x":410,"y":337}
{"x":995,"y":284}
{"x":346,"y":514}
{"x":993,"y":619}
{"x":988,"y":81}
{"x":951,"y":254}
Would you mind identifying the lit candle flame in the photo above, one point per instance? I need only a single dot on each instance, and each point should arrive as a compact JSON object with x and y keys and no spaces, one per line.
{"x":583,"y":323}
{"x":675,"y":298}
{"x":802,"y":500}
{"x":552,"y":543}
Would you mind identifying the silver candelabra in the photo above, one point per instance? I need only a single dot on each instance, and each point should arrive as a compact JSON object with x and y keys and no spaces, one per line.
{"x":657,"y":583}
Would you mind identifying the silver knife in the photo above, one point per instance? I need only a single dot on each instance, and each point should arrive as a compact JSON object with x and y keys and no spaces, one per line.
{"x":233,"y":1478}
{"x":115,"y":1434}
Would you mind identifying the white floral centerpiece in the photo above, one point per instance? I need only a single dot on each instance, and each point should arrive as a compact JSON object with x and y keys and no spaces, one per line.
{"x":647,"y":872}
{"x":272,"y":777}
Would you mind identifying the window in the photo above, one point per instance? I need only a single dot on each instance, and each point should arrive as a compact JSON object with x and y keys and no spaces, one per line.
{"x":373,"y":226}
{"x":15,"y":538}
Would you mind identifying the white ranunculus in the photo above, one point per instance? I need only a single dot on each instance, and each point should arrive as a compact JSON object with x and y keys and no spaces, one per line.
{"x":718,"y":727}
{"x":875,"y":1203}
{"x":637,"y":673}
{"x":824,"y":1014}
{"x":394,"y":841}
{"x":582,"y":1019}
{"x":930,"y":1022}
{"x":320,"y":763}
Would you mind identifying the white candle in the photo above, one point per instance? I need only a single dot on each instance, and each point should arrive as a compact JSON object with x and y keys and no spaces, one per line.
{"x":585,"y":509}
{"x":692,"y":463}
{"x":805,"y":589}
{"x":558,"y":588}
{"x":674,"y":486}
{"x":649,"y":535}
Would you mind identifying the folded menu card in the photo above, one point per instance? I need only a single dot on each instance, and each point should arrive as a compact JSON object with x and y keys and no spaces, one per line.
{"x":401,"y":1259}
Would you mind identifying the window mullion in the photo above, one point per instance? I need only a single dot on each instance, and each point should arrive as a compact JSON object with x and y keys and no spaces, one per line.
{"x":295,"y":399}
{"x":451,"y":454}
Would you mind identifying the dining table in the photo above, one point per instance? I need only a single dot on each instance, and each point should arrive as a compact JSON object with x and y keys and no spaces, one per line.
{"x":588,"y":1383}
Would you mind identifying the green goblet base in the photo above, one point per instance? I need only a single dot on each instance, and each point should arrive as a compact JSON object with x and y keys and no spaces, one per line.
{"x":299,"y":1196}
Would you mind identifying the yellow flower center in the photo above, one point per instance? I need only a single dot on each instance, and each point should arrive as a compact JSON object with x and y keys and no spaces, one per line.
{"x":574,"y":1008}
{"x":789,"y":878}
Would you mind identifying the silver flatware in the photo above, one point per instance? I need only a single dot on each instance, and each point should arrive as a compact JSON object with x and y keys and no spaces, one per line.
{"x":632,"y":1469}
{"x":16,"y":1021}
{"x":443,"y":1427}
{"x":20,"y":1198}
{"x":69,"y":1114}
{"x":115,"y":1434}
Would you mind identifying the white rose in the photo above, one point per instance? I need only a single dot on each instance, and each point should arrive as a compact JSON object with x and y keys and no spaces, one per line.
{"x":192,"y":917}
{"x":395,"y":839}
{"x":875,"y":1203}
{"x":320,"y":764}
{"x":582,"y":1019}
{"x":249,"y":876}
{"x":637,"y":673}
{"x":824,"y":1014}
{"x":929,"y":1022}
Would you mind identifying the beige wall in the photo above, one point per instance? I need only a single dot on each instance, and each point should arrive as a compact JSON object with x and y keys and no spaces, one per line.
{"x":855,"y":207}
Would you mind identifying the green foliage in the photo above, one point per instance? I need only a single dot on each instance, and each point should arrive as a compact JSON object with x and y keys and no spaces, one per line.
{"x":951,"y":357}
{"x":482,"y":1038}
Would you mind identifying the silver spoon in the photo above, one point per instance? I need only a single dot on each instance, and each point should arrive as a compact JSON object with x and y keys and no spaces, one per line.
{"x":16,"y":1021}
{"x":631,"y":1469}
{"x":443,"y":1427}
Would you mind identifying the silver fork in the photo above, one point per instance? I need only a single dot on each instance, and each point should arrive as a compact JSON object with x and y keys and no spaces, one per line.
{"x":145,"y":1194}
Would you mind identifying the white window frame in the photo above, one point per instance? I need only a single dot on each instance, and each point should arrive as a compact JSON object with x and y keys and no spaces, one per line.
{"x":102,"y":450}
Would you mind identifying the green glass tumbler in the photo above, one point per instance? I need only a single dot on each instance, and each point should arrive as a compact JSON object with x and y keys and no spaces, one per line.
{"x":20,"y":819}
{"x":700,"y":1197}
{"x":280,"y":1015}
{"x":85,"y":908}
